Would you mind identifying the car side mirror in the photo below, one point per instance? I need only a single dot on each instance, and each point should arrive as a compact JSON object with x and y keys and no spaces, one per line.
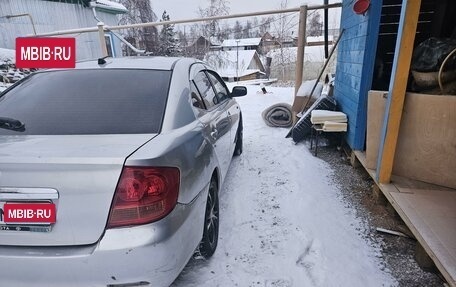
{"x":239,"y":91}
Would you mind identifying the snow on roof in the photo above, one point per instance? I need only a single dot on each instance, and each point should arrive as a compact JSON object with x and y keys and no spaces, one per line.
{"x":110,"y":5}
{"x":314,"y":54}
{"x":232,"y":73}
{"x":242,"y":42}
{"x":225,"y":62}
{"x":311,"y":39}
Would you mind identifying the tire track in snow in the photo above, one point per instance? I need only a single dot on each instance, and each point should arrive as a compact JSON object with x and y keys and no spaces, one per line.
{"x":280,"y":222}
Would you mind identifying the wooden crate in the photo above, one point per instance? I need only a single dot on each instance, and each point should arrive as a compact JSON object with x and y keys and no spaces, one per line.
{"x":426,"y":148}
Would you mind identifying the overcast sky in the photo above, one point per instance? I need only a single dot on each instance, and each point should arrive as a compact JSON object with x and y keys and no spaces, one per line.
{"x":186,"y":9}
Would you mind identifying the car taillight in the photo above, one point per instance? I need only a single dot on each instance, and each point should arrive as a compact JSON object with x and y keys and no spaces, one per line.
{"x":144,"y":195}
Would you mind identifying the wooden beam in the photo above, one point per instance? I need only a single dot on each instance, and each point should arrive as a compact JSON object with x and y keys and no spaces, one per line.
{"x":101,"y":36}
{"x":301,"y":47}
{"x":400,"y":72}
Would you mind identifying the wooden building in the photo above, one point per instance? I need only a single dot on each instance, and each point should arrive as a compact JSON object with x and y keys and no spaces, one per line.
{"x":411,"y":136}
{"x":243,"y":65}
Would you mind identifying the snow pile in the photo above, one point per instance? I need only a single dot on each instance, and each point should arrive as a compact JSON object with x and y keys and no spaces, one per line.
{"x":281,"y":221}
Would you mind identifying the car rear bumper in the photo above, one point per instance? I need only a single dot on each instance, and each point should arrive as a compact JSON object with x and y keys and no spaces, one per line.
{"x":148,"y":255}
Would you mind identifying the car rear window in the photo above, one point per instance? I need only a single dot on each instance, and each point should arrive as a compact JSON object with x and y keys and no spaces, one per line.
{"x":99,"y":101}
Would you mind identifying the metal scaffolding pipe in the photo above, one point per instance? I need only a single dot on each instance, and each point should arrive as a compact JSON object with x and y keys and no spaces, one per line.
{"x":149,"y":24}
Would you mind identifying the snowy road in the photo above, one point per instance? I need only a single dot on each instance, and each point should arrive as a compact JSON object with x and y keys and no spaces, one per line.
{"x":282,"y":223}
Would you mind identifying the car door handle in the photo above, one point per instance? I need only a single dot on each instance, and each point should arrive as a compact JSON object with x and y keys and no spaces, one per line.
{"x":214,"y":133}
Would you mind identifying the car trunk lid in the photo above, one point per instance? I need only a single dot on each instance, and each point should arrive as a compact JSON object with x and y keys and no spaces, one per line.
{"x":78,"y":174}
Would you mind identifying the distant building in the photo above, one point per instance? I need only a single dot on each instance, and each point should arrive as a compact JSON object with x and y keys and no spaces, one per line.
{"x":239,"y":65}
{"x":268,"y":43}
{"x":289,"y":41}
{"x":319,"y":40}
{"x":20,"y":18}
{"x":199,"y":47}
{"x":242,"y":44}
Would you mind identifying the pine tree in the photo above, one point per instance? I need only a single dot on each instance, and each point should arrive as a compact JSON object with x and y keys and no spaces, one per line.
{"x":211,"y":29}
{"x":169,"y":44}
{"x":139,"y":11}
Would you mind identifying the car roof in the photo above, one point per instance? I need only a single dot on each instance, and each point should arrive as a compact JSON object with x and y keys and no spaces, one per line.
{"x":144,"y":62}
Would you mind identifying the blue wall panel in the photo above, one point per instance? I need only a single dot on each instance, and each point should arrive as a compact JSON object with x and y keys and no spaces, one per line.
{"x":355,"y":64}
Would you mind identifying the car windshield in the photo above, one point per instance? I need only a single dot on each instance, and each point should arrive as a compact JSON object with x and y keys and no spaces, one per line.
{"x":98,"y":101}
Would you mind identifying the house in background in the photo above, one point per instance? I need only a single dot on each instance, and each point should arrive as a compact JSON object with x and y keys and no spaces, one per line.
{"x":242,"y":65}
{"x":19,"y":18}
{"x":199,"y":47}
{"x":242,"y":44}
{"x":268,"y":43}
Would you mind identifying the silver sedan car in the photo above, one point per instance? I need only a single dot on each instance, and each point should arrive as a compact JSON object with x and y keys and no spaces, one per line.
{"x":110,"y":172}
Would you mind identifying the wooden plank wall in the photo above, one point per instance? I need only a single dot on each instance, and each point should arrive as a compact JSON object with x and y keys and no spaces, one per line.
{"x":355,"y":62}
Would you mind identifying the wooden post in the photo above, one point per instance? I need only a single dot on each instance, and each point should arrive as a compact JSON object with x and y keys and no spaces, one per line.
{"x":301,"y":46}
{"x":101,"y":34}
{"x":300,"y":55}
{"x":400,"y":72}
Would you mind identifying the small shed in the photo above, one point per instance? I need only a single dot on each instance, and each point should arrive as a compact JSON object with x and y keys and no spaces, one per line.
{"x":404,"y":137}
{"x":234,"y":66}
{"x":20,"y":18}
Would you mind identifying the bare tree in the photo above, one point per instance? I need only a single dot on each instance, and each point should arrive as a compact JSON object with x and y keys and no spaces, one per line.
{"x":140,"y":11}
{"x":315,"y":25}
{"x":282,"y":27}
{"x":211,"y":29}
{"x":247,"y":31}
{"x":237,"y":30}
{"x":265,"y":24}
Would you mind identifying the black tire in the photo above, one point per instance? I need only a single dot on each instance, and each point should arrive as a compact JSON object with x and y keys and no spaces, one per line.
{"x":239,"y":136}
{"x":209,"y":242}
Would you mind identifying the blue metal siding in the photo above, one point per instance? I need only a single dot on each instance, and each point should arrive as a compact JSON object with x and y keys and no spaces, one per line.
{"x":355,"y":64}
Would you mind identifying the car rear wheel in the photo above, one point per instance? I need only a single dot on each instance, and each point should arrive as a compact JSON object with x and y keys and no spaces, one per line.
{"x":239,"y":135}
{"x":211,"y":222}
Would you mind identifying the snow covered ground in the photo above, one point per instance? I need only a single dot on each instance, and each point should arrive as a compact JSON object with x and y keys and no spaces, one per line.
{"x":7,"y":57}
{"x":282,"y":223}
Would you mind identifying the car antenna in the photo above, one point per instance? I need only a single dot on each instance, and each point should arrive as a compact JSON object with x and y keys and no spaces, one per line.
{"x":102,"y":61}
